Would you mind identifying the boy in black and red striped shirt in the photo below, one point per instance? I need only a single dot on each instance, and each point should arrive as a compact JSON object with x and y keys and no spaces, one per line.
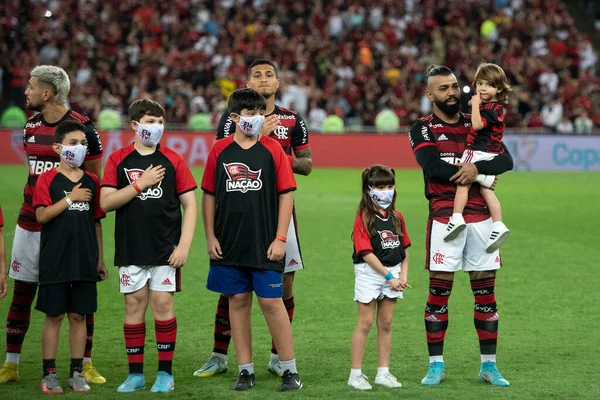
{"x":247,"y":206}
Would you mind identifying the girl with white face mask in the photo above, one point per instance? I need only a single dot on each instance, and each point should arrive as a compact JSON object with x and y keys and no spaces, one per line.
{"x":381,"y":268}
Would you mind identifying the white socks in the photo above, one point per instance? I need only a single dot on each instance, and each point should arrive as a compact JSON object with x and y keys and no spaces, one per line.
{"x":274,"y":357}
{"x":87,"y":359}
{"x":383,"y":370}
{"x":354,"y":373}
{"x":436,"y":359}
{"x":289,"y":365}
{"x":488,"y":357}
{"x":13,"y":358}
{"x":247,"y":367}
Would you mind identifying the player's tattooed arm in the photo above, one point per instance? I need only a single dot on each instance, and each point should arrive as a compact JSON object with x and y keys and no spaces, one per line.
{"x":303,"y":161}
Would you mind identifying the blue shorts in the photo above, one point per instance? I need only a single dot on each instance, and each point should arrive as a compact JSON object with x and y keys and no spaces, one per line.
{"x":236,"y":280}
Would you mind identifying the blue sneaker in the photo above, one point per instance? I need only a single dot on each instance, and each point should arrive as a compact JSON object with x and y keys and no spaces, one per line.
{"x":132,"y":383}
{"x":489,"y":373}
{"x":435,"y":374}
{"x":164,"y":382}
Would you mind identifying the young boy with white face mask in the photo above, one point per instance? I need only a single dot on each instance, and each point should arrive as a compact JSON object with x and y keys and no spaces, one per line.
{"x":66,"y":203}
{"x":147,"y":184}
{"x":247,"y":206}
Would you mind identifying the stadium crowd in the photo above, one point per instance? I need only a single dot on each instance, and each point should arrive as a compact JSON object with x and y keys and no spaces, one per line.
{"x":348,"y":57}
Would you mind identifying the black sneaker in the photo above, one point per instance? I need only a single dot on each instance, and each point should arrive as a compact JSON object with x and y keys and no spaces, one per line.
{"x":290,"y":382}
{"x":245,"y":381}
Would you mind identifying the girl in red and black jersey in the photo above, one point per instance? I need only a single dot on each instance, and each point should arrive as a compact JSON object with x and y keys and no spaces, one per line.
{"x":381,"y":267}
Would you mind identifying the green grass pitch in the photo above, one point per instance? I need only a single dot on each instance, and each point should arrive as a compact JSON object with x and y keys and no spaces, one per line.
{"x":547,"y":294}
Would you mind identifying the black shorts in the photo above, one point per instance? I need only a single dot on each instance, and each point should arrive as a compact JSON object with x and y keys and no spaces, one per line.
{"x":69,"y":297}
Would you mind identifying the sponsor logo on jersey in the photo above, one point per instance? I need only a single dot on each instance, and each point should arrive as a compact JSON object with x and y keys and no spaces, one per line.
{"x":435,"y":126}
{"x":242,"y":178}
{"x":154,"y":192}
{"x":425,"y":133}
{"x":442,"y":137}
{"x":281,"y":132}
{"x":78,"y":205}
{"x":31,"y":139}
{"x":38,"y":167}
{"x":388,"y":239}
{"x":281,"y":116}
{"x":32,"y":125}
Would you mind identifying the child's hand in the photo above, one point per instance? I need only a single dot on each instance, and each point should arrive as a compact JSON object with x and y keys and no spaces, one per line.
{"x":3,"y":286}
{"x":178,"y":257}
{"x":79,"y":194}
{"x":403,"y":282}
{"x":214,"y":248}
{"x":102,"y":271}
{"x":151,"y":176}
{"x":475,"y":101}
{"x":395,"y":284}
{"x":270,"y":124}
{"x":276,"y":250}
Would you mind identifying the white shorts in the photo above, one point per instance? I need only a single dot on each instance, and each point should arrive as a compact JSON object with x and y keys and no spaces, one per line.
{"x":293,"y":256}
{"x":25,"y":257}
{"x":369,"y":285}
{"x":162,"y":278}
{"x":466,"y":251}
{"x":471,"y":156}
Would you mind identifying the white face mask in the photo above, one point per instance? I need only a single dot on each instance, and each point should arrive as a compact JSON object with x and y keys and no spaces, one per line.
{"x":150,"y":134}
{"x":251,"y":125}
{"x":382,"y":198}
{"x":73,"y":155}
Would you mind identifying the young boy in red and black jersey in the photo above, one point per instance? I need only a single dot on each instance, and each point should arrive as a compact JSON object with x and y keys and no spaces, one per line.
{"x":66,"y":203}
{"x":246,"y":206}
{"x":147,"y":184}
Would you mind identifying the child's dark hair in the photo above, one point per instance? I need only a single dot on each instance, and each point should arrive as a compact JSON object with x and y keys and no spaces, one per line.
{"x":249,"y":99}
{"x":372,"y":177}
{"x":495,"y":75}
{"x":66,"y":127}
{"x":261,"y":61}
{"x":139,"y":108}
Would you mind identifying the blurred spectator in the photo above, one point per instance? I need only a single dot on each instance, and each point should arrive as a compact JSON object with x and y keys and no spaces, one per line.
{"x":583,"y":124}
{"x":565,"y":126}
{"x":552,"y":113}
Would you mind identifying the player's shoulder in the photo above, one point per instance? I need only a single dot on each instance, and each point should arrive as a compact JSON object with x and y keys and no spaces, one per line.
{"x":34,"y":118}
{"x":424,"y":120}
{"x":75,"y":116}
{"x":171,"y":154}
{"x":285,"y":111}
{"x":120,"y":154}
{"x":47,"y":176}
{"x":221,"y":144}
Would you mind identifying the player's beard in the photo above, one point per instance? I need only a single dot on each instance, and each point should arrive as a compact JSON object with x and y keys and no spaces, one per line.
{"x":448,"y":109}
{"x":35,"y":107}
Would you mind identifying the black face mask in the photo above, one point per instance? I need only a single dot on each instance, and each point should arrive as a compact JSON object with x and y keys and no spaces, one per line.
{"x":448,"y":109}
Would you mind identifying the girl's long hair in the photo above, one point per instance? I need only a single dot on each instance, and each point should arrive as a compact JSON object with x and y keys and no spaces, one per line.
{"x":377,"y":175}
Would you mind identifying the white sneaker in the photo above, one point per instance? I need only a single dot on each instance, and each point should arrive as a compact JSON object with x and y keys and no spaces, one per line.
{"x":455,"y":226}
{"x":498,"y":235}
{"x":359,"y":382}
{"x":387,"y":380}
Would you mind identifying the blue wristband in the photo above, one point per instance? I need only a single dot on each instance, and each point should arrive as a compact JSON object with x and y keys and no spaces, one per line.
{"x":389,"y":276}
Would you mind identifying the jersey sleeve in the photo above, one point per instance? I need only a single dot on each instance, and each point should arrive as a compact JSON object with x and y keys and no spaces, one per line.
{"x":491,"y":113}
{"x":300,"y":134}
{"x":427,"y":154}
{"x":41,"y":196}
{"x":361,"y":238}
{"x":208,"y":178}
{"x":98,"y":213}
{"x":109,"y":179}
{"x":1,"y":220}
{"x":184,"y":180}
{"x":226,"y":126}
{"x":285,"y":176}
{"x":94,"y":144}
{"x":405,"y":239}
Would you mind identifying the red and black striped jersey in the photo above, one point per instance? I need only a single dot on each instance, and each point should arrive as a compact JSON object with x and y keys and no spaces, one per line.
{"x":449,"y":140}
{"x":387,"y":245}
{"x":246,"y":184}
{"x":290,"y":134}
{"x":489,"y":138}
{"x":148,"y":228}
{"x":38,"y":137}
